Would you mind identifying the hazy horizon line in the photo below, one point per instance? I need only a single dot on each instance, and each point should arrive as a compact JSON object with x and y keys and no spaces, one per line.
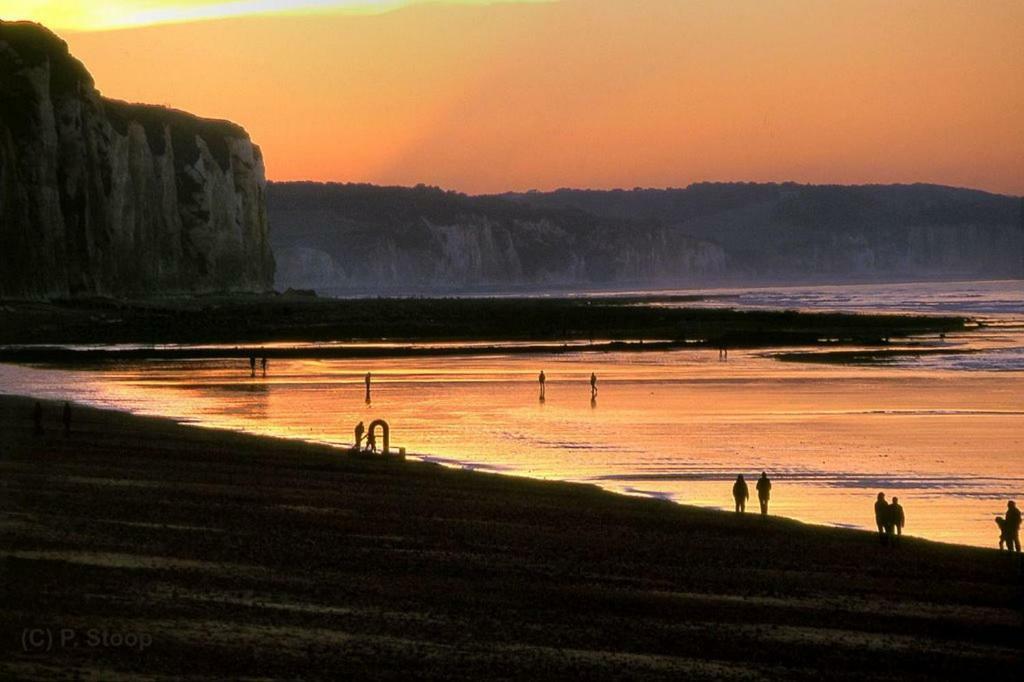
{"x":642,"y":188}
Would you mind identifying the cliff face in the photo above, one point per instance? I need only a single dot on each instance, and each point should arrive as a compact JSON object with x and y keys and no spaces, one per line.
{"x":359,"y":238}
{"x":108,"y":198}
{"x":823,"y":233}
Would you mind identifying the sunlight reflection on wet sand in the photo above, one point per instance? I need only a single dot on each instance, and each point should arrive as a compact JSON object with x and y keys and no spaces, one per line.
{"x":944,"y":433}
{"x":677,"y":425}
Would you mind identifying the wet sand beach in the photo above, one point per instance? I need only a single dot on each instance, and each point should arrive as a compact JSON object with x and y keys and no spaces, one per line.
{"x":674,"y":425}
{"x":217,"y":554}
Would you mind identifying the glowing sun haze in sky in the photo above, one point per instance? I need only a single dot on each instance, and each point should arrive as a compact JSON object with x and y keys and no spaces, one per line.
{"x":95,"y":16}
{"x":493,"y":96}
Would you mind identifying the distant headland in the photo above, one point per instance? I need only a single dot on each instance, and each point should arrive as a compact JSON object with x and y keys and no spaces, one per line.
{"x":344,"y":239}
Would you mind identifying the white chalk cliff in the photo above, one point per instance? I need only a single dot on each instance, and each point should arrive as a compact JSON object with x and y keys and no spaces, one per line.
{"x":100,"y":197}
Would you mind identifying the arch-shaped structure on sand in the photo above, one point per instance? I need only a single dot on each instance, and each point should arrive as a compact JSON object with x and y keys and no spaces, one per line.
{"x":385,"y":434}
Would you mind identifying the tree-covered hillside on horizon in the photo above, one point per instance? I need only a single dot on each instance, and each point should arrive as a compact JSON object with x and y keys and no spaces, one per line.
{"x":341,"y":238}
{"x":422,"y":239}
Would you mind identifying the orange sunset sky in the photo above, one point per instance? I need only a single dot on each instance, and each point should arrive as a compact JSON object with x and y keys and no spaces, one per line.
{"x":486,"y":96}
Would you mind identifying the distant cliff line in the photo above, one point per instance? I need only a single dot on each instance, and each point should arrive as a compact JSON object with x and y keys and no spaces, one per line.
{"x":357,"y":238}
{"x":100,"y":197}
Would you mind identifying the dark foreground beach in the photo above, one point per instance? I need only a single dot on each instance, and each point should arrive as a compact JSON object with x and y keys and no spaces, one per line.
{"x":138,"y":548}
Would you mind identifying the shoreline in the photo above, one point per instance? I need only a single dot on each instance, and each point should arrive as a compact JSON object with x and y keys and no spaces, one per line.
{"x":241,"y":556}
{"x":442,"y":460}
{"x":434,"y":460}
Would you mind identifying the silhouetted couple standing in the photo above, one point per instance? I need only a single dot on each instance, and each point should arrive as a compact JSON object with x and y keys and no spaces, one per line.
{"x":890,"y":519}
{"x":371,"y":438}
{"x":37,"y":418}
{"x":1009,"y":528}
{"x":741,"y":493}
{"x":252,"y":365}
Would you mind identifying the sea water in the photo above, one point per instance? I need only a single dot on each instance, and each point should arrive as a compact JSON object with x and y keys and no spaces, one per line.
{"x":944,"y":432}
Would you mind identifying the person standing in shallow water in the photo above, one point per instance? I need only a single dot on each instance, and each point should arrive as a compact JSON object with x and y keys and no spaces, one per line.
{"x":764,"y":492}
{"x":263,"y":365}
{"x":899,"y":519}
{"x":366,"y":380}
{"x":882,"y":516}
{"x":252,"y":365}
{"x":541,"y":379}
{"x":593,"y":385}
{"x":740,"y":493}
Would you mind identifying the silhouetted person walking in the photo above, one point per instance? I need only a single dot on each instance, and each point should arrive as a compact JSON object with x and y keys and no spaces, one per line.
{"x":366,"y":380}
{"x":66,"y":418}
{"x":882,"y":516}
{"x":740,"y":493}
{"x":1012,"y":526}
{"x":541,"y":379}
{"x":371,"y":441}
{"x":252,"y":365}
{"x":764,"y":492}
{"x":899,"y":518}
{"x":593,"y":385}
{"x":360,"y":430}
{"x":263,"y":364}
